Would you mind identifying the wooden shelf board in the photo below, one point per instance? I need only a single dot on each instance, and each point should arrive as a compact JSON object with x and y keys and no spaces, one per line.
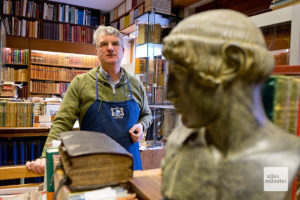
{"x":128,"y":29}
{"x":17,"y":42}
{"x":287,"y":70}
{"x":58,"y":65}
{"x":16,"y":81}
{"x":8,"y":132}
{"x":20,"y":135}
{"x":14,"y":172}
{"x":50,"y":45}
{"x":23,"y":129}
{"x":44,"y":79}
{"x":17,"y":64}
{"x":62,"y":46}
{"x":183,"y":4}
{"x":45,"y":93}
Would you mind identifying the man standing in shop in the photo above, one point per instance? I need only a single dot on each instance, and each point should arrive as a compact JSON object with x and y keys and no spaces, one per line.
{"x":106,"y":99}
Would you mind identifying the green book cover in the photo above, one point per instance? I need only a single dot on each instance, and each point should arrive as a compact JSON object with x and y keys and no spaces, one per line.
{"x":276,"y":96}
{"x":49,"y":168}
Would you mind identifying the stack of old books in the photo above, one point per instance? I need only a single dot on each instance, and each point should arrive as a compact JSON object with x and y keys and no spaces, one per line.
{"x":159,"y":6}
{"x":8,"y":89}
{"x":93,"y":160}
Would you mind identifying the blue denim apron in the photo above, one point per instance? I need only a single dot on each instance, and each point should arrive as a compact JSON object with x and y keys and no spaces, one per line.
{"x":114,"y":119}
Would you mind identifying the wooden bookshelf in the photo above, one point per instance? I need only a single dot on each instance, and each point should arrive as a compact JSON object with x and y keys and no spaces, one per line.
{"x":7,"y":132}
{"x":128,"y":28}
{"x":50,"y":20}
{"x":52,"y":46}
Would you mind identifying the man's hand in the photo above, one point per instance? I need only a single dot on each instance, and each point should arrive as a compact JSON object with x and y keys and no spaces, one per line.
{"x":37,"y":166}
{"x":136,"y":132}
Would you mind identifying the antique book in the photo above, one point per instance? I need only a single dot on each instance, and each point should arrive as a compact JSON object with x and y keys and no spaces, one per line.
{"x":93,"y":160}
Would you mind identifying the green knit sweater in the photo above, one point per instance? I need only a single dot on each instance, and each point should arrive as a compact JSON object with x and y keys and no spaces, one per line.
{"x":81,"y":94}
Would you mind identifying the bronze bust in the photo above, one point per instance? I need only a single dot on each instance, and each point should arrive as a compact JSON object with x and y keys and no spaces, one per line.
{"x":217,"y":64}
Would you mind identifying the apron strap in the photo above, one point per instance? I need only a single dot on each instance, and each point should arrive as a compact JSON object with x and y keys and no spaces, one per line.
{"x":129,"y":87}
{"x":97,"y":96}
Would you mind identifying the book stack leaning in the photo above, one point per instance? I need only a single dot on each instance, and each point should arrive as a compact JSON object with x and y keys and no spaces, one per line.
{"x":93,"y":160}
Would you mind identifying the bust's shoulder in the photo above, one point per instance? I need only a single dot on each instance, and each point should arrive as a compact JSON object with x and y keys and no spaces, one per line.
{"x":281,"y":142}
{"x":277,"y":150}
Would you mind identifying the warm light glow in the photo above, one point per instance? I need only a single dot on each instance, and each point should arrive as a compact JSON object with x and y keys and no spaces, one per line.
{"x":152,"y":49}
{"x":56,"y":53}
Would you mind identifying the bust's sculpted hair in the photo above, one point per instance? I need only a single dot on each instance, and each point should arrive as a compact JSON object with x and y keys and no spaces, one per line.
{"x":199,"y":42}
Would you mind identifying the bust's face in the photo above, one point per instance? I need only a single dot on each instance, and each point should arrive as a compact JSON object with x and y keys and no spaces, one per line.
{"x":198,"y":105}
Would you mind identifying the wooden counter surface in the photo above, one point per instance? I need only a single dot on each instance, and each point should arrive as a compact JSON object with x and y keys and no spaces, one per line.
{"x":147,"y":184}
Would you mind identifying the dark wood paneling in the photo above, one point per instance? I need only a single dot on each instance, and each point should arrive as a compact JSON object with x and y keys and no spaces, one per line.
{"x":50,"y":45}
{"x":246,"y":7}
{"x":17,"y":42}
{"x":151,"y":158}
{"x":183,"y":4}
{"x":62,"y":46}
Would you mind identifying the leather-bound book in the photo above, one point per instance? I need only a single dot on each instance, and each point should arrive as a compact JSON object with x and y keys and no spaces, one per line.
{"x":93,"y":160}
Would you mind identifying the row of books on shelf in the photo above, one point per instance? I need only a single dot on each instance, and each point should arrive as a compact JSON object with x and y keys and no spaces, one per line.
{"x":157,"y":95}
{"x":149,"y":33}
{"x":157,"y":65}
{"x":39,"y":72}
{"x":48,"y":87}
{"x":123,"y":8}
{"x":48,"y":30}
{"x":16,"y":114}
{"x":155,"y":79}
{"x":22,"y":92}
{"x":12,"y":74}
{"x":164,"y":121}
{"x":49,"y":11}
{"x":54,"y":73}
{"x":71,"y":14}
{"x":281,"y":101}
{"x":128,"y":19}
{"x":66,"y":32}
{"x":63,"y":59}
{"x":14,"y":56}
{"x":17,"y":151}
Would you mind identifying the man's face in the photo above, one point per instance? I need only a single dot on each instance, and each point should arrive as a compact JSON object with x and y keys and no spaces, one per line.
{"x":198,"y":105}
{"x":109,"y":49}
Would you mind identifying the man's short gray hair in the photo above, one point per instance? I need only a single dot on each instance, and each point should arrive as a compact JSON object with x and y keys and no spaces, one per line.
{"x":107,"y":30}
